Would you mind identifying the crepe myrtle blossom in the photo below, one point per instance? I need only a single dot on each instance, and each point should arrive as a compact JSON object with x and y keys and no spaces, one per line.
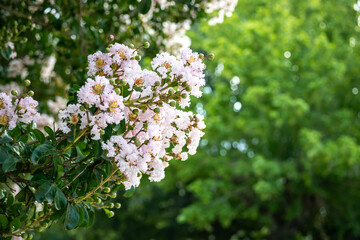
{"x":17,"y":108}
{"x":142,"y":107}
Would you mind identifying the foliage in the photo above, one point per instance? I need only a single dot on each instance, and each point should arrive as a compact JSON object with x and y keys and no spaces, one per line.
{"x":280,"y":158}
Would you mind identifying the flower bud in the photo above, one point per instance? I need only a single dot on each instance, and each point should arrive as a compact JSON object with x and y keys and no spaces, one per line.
{"x":131,"y":45}
{"x":211,"y":56}
{"x":102,"y":132}
{"x":188,"y":88}
{"x":117,"y":91}
{"x":111,"y":38}
{"x":171,"y":91}
{"x":184,"y":95}
{"x":24,"y":235}
{"x":98,"y":200}
{"x":135,"y":111}
{"x":82,"y":108}
{"x":14,"y":92}
{"x":117,"y":205}
{"x":137,"y":57}
{"x":111,"y":205}
{"x":110,"y":214}
{"x":27,"y":83}
{"x":113,"y":195}
{"x":157,"y":83}
{"x":157,"y":110}
{"x":201,"y":55}
{"x":136,"y":142}
{"x":30,"y":236}
{"x":172,"y":104}
{"x":44,"y":224}
{"x":146,"y":44}
{"x":106,"y":190}
{"x":107,"y":50}
{"x":30,"y":93}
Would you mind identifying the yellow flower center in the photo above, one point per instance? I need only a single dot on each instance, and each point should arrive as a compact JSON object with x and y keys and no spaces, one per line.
{"x":139,"y":82}
{"x":167,"y":65}
{"x":113,"y":106}
{"x":98,"y":89}
{"x":132,"y":116}
{"x":122,"y":54}
{"x":4,"y":120}
{"x":99,"y":63}
{"x":101,"y":73}
{"x":74,"y":119}
{"x":156,"y":117}
{"x":191,"y":59}
{"x":1,"y":103}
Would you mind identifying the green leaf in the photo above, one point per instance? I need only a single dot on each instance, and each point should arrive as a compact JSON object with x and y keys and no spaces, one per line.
{"x":51,"y":134}
{"x":5,"y":138}
{"x":3,"y":221}
{"x":129,"y":192}
{"x":144,"y":6}
{"x":85,"y":216}
{"x":91,"y":217}
{"x":40,"y":152}
{"x":71,"y":217}
{"x":4,"y":154}
{"x":46,"y":192}
{"x":16,"y":223}
{"x":10,"y":164}
{"x":39,"y":135}
{"x":60,"y":200}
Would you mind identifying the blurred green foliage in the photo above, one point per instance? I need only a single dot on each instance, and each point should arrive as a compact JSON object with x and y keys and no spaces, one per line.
{"x":281,"y":154}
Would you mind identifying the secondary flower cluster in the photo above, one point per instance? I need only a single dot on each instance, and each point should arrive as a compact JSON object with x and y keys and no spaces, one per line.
{"x":18,"y":109}
{"x":119,"y":92}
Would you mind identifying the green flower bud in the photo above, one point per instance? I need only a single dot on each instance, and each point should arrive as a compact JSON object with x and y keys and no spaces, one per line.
{"x":137,"y":57}
{"x":98,"y":200}
{"x":118,"y":182}
{"x":106,"y":190}
{"x":30,"y":93}
{"x":211,"y":56}
{"x":107,"y":50}
{"x":188,"y":88}
{"x":113,"y":195}
{"x":131,"y":45}
{"x":111,"y":205}
{"x":201,"y":55}
{"x":135,"y":111}
{"x":110,"y":214}
{"x":136,"y":142}
{"x":27,"y":83}
{"x":184,"y":95}
{"x":14,"y":92}
{"x":44,"y":224}
{"x":157,"y":83}
{"x":117,"y":91}
{"x":172,"y":104}
{"x":30,"y":236}
{"x":157,"y":110}
{"x":117,"y":205}
{"x":171,"y":91}
{"x":102,"y":132}
{"x":112,"y":82}
{"x":146,"y":44}
{"x":24,"y":235}
{"x":82,"y":108}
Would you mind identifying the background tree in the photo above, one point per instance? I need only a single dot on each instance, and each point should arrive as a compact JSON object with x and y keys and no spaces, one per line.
{"x":280,"y":158}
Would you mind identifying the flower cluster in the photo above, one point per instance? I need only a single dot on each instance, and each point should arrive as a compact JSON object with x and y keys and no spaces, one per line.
{"x":119,"y":92}
{"x":20,"y":109}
